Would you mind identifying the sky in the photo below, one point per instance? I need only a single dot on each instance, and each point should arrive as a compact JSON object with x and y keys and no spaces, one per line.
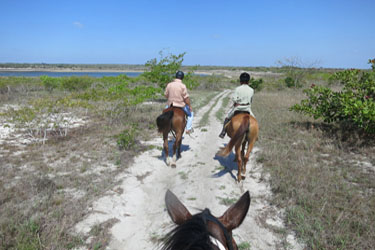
{"x":330,"y":33}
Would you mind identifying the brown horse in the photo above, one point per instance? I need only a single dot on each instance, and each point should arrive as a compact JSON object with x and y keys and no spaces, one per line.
{"x":203,"y":230}
{"x":243,"y":130}
{"x":173,"y":119}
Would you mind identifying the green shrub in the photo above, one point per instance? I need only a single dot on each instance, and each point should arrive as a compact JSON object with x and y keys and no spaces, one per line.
{"x":71,"y":83}
{"x":256,"y":84}
{"x":163,"y":71}
{"x":191,"y":81}
{"x":50,"y":83}
{"x":289,"y":82}
{"x":74,"y":83}
{"x":126,"y":139}
{"x":353,"y":106}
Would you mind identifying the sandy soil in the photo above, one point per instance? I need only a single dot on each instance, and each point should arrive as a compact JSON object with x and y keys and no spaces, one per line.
{"x":199,"y":180}
{"x":234,"y":74}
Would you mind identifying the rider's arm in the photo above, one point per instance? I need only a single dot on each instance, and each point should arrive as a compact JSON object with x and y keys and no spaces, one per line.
{"x":187,"y":101}
{"x":166,"y":93}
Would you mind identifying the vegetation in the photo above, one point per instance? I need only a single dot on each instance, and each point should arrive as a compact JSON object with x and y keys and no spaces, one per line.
{"x":163,"y":71}
{"x":352,"y":107}
{"x":295,"y":71}
{"x":47,"y":182}
{"x":322,"y":175}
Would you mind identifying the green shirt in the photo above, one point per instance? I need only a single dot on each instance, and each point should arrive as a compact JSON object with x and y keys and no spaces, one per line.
{"x":243,"y":95}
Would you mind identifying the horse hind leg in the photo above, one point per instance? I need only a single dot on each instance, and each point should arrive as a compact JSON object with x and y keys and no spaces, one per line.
{"x":243,"y":157}
{"x":165,"y":146}
{"x":249,"y":149}
{"x":239,"y":162}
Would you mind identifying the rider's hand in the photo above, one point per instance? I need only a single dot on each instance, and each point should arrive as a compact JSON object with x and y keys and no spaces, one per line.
{"x":191,"y":109}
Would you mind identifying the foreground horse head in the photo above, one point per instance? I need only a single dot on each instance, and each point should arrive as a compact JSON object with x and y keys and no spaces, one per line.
{"x":203,"y":230}
{"x":243,"y":131}
{"x":172,"y":119}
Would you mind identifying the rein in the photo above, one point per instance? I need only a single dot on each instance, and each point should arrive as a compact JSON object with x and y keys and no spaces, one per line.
{"x":207,"y":216}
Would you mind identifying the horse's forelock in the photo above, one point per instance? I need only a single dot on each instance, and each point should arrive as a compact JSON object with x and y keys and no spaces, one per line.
{"x":193,"y":234}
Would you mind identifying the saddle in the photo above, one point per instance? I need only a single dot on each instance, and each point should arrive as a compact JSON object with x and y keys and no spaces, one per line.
{"x":240,"y":112}
{"x":170,"y":108}
{"x":236,"y":113}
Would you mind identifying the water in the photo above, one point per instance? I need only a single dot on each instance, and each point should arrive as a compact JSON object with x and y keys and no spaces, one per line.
{"x":61,"y":74}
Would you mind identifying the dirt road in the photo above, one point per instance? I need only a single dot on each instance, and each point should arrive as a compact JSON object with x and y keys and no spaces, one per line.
{"x":200,"y":180}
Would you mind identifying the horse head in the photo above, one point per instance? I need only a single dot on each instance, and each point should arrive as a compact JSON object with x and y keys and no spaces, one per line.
{"x":203,"y":230}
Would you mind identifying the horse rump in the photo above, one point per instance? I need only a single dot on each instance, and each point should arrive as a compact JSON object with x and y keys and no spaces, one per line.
{"x":164,"y":120}
{"x":238,"y":136}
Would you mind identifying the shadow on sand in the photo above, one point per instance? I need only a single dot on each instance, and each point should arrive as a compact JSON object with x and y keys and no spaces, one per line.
{"x":229,"y":165}
{"x":184,"y":147}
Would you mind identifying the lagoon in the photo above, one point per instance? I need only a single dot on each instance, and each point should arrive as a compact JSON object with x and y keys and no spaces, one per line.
{"x":62,"y":74}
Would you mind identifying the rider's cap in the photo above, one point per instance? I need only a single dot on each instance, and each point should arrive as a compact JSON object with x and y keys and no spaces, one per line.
{"x":180,"y":75}
{"x":244,"y":77}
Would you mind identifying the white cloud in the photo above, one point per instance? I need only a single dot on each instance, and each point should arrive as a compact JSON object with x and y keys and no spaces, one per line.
{"x":78,"y":24}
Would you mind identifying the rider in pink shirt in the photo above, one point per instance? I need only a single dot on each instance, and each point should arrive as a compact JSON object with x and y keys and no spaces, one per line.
{"x":177,"y":95}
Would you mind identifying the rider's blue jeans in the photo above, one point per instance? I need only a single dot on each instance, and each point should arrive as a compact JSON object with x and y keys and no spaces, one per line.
{"x":190,"y":115}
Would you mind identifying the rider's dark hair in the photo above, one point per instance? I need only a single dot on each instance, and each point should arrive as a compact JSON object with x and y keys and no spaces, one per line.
{"x":180,"y":75}
{"x":244,"y":77}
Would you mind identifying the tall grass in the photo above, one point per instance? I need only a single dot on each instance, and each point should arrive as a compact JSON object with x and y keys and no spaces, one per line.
{"x":317,"y":175}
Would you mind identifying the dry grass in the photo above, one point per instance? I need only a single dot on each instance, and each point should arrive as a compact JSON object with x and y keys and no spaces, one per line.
{"x":45,"y":189}
{"x":323,"y":176}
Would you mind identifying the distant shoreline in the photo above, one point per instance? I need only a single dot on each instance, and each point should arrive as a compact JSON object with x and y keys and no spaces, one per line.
{"x":66,"y":70}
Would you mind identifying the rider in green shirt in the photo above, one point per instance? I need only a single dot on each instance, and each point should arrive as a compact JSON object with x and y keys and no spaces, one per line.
{"x":242,"y":99}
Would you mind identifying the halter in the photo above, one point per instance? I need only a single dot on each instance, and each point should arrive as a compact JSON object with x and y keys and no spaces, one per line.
{"x":207,"y":216}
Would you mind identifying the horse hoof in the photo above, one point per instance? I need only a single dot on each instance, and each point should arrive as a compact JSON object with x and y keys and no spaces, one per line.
{"x":243,"y":177}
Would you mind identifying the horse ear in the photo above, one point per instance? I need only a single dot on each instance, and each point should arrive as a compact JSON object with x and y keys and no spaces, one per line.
{"x":234,"y":216}
{"x":176,"y":210}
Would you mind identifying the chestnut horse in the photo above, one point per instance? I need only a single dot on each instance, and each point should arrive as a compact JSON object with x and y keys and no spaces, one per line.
{"x":173,"y":119}
{"x":203,"y":230}
{"x":243,"y":130}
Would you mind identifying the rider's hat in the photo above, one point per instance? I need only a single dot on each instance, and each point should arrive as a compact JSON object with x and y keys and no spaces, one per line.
{"x":180,"y":75}
{"x":244,"y":77}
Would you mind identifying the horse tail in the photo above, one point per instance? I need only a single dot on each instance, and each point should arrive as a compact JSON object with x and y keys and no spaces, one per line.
{"x":238,"y":136}
{"x":164,"y":120}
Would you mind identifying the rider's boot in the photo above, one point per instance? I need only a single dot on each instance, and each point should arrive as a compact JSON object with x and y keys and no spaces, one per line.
{"x":223,"y":132}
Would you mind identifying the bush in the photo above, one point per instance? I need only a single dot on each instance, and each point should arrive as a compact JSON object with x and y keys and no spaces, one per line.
{"x":353,"y":106}
{"x":74,"y":83}
{"x":163,"y":71}
{"x":256,"y":84}
{"x":126,"y":139}
{"x":50,"y":83}
{"x":289,"y":82}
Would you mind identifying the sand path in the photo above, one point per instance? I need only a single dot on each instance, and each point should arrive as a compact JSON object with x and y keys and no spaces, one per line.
{"x":199,"y":180}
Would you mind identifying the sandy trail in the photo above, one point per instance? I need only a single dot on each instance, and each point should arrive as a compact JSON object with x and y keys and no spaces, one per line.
{"x":199,"y":181}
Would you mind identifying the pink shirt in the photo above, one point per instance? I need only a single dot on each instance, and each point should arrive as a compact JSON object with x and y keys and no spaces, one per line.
{"x":176,"y":93}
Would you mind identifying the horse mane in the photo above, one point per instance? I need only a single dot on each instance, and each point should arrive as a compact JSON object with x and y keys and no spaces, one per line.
{"x":164,"y":120}
{"x":191,"y":235}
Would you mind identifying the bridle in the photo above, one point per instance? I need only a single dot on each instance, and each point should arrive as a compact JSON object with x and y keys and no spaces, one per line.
{"x":207,"y":216}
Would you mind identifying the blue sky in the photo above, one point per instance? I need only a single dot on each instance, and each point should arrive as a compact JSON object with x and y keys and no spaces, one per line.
{"x":327,"y":33}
